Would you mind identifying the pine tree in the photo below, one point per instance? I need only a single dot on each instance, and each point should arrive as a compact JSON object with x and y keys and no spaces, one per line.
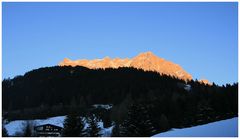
{"x":93,"y":129}
{"x":73,"y":126}
{"x":4,"y":132}
{"x":138,"y":123}
{"x":116,"y":130}
{"x":147,"y":127}
{"x":28,"y":130}
{"x":129,"y":126}
{"x":164,"y":125}
{"x":106,"y":119}
{"x":205,"y":112}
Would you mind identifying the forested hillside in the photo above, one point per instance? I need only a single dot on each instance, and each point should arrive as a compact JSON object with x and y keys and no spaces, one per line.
{"x":148,"y":100}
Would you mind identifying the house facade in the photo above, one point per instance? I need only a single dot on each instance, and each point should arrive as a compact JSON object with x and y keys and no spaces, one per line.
{"x":48,"y":130}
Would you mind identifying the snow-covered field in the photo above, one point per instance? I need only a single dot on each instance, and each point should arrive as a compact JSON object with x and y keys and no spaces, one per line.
{"x":224,"y":128}
{"x":14,"y":127}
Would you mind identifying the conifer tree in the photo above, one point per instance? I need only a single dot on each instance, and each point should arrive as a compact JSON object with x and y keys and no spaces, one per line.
{"x":164,"y":124}
{"x":93,"y":129}
{"x":138,"y":123}
{"x":205,"y":112}
{"x":73,"y":126}
{"x":28,"y":130}
{"x":116,"y":130}
{"x":4,"y":132}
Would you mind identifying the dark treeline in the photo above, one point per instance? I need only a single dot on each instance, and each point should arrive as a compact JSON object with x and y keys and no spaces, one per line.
{"x":145,"y":101}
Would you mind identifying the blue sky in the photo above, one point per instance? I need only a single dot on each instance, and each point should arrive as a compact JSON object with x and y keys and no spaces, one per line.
{"x":201,"y":37}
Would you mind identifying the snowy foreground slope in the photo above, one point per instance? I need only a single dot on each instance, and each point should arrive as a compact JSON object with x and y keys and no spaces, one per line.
{"x":224,"y":128}
{"x":14,"y":127}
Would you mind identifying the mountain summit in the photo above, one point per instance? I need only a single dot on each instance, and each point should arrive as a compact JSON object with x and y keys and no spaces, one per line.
{"x":146,"y":61}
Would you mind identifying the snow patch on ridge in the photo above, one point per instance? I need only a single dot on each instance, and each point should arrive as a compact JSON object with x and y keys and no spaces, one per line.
{"x":107,"y":107}
{"x":187,"y":87}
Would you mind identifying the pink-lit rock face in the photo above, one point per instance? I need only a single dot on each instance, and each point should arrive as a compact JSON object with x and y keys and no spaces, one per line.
{"x":205,"y":81}
{"x":146,"y":61}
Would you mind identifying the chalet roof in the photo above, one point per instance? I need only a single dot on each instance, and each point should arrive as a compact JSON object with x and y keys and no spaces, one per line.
{"x":48,"y":125}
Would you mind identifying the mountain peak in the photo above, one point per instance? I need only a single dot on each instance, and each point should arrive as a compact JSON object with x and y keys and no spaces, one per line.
{"x":147,"y":54}
{"x":107,"y":58}
{"x":66,"y":59}
{"x":146,"y":61}
{"x":205,"y":81}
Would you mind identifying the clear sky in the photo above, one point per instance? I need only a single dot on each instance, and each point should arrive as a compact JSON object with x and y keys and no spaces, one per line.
{"x":201,"y":37}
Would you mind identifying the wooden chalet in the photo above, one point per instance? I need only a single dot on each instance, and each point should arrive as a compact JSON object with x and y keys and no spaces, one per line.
{"x":48,"y":130}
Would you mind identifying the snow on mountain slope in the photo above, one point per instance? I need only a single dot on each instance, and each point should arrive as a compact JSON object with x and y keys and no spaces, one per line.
{"x":187,"y":87}
{"x":224,"y":128}
{"x":16,"y":126}
{"x":107,"y":107}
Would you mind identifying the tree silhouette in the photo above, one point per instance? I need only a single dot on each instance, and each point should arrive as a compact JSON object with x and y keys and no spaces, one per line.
{"x":4,"y":132}
{"x":27,"y":132}
{"x":138,"y":123}
{"x":73,"y":126}
{"x":93,"y":129}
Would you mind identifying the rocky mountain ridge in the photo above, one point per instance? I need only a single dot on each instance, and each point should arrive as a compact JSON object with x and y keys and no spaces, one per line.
{"x":146,"y":61}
